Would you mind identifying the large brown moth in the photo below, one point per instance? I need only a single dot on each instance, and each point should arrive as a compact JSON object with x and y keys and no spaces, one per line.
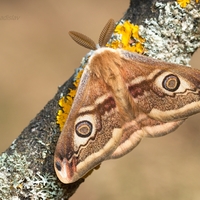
{"x":122,"y":97}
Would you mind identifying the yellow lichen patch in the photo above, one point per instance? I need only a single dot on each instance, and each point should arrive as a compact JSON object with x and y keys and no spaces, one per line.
{"x":129,"y":38}
{"x":66,"y":102}
{"x":183,"y":3}
{"x":20,"y":186}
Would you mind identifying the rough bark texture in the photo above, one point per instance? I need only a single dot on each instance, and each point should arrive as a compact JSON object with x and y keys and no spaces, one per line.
{"x":138,"y":10}
{"x":27,"y":165}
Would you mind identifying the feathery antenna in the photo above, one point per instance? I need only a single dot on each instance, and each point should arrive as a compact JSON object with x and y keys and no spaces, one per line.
{"x":88,"y":43}
{"x":106,"y":33}
{"x":83,"y":40}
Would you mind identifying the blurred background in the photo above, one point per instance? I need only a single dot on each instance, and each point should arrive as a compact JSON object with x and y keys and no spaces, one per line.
{"x":37,"y":55}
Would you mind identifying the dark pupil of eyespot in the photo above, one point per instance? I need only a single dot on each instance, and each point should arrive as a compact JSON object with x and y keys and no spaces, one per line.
{"x":171,"y":83}
{"x":83,"y":129}
{"x":58,"y":166}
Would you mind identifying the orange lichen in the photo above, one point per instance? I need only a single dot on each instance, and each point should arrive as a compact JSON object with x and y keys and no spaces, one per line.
{"x":130,"y":39}
{"x":183,"y":3}
{"x":66,"y":102}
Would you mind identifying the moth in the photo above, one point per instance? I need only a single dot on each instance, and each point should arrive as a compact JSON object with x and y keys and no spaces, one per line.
{"x":122,"y":97}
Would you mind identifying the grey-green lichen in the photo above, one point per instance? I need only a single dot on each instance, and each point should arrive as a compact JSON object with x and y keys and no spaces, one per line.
{"x":17,"y":181}
{"x":174,"y":35}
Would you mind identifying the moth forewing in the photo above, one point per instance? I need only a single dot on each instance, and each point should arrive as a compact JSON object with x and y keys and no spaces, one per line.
{"x":165,"y":92}
{"x":92,"y":131}
{"x":96,"y":158}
